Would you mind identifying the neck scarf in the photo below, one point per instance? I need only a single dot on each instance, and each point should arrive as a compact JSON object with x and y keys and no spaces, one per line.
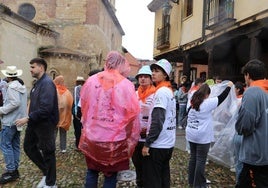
{"x":164,"y":84}
{"x":144,"y":93}
{"x":61,"y":89}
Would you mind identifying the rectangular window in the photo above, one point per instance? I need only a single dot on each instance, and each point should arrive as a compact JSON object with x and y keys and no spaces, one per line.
{"x":188,"y":8}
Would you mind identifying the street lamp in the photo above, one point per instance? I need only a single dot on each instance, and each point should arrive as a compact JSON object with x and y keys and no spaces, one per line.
{"x":166,"y":8}
{"x":175,"y":1}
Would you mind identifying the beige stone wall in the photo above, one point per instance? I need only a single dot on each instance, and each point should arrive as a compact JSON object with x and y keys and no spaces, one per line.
{"x":84,"y":26}
{"x":68,"y":68}
{"x":18,"y":45}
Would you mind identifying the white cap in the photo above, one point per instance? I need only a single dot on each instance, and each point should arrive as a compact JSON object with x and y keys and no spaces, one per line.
{"x":164,"y":64}
{"x":144,"y":70}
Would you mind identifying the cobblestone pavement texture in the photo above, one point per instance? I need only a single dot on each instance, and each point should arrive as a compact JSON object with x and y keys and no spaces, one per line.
{"x":71,"y":169}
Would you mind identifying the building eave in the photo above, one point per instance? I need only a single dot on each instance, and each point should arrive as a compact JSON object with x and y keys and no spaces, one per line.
{"x":155,"y":5}
{"x":63,"y":52}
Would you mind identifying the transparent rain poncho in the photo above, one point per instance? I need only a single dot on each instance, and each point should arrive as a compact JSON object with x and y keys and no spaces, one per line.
{"x":109,"y":117}
{"x":224,"y":118}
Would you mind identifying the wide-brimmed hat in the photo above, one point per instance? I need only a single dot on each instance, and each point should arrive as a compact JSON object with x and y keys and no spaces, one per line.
{"x":144,"y":70}
{"x":164,"y":64}
{"x":11,"y":71}
{"x":80,"y":78}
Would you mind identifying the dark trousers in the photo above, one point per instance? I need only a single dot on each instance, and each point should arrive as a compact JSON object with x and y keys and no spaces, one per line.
{"x":77,"y":130}
{"x":197,"y":163}
{"x":253,"y":176}
{"x":137,"y":160}
{"x":39,"y":146}
{"x":156,"y":171}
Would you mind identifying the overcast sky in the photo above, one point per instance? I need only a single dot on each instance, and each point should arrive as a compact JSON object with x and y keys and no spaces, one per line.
{"x":138,"y":24}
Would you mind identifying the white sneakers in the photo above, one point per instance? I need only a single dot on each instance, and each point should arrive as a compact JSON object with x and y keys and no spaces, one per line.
{"x":42,"y":184}
{"x":232,"y":169}
{"x":47,"y":186}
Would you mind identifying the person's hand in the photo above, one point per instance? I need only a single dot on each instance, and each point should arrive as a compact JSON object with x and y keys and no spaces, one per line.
{"x":21,"y":122}
{"x":145,"y":151}
{"x":230,"y":84}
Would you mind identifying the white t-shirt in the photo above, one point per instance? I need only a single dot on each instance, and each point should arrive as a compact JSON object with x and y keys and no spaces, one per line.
{"x":199,"y":124}
{"x":145,"y":114}
{"x":164,"y":98}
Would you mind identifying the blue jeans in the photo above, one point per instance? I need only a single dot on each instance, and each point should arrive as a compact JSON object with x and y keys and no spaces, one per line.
{"x":63,"y":137}
{"x":10,"y":146}
{"x":182,"y":112}
{"x":197,"y":163}
{"x":237,"y":140}
{"x":92,"y":180}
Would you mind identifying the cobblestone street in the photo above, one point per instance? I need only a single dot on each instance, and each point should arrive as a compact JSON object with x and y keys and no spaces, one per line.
{"x":71,"y":169}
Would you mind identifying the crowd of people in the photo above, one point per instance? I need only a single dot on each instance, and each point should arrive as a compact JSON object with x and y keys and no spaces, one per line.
{"x":115,"y":123}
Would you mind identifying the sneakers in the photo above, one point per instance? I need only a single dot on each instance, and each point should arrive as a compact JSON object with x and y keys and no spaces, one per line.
{"x":50,"y":186}
{"x":63,"y":151}
{"x":208,"y":181}
{"x":180,"y":127}
{"x":42,"y":183}
{"x":232,"y":169}
{"x":9,"y":176}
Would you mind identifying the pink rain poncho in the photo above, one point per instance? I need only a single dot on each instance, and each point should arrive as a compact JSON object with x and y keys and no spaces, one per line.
{"x":109,"y":116}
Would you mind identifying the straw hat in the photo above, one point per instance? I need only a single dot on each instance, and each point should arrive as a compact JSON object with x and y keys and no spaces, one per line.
{"x":12,"y":71}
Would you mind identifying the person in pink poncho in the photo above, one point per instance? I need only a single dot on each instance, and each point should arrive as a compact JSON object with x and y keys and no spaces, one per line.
{"x":110,"y":131}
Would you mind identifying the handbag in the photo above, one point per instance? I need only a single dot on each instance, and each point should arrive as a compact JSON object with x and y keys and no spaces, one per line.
{"x":185,"y":118}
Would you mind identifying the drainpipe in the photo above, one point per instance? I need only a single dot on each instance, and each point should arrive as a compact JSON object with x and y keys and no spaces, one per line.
{"x":204,"y":20}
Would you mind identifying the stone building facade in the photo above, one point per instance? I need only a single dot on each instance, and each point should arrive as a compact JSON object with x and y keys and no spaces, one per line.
{"x":88,"y":30}
{"x":19,"y":41}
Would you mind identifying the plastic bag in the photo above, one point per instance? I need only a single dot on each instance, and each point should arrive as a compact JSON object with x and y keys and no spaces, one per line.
{"x":224,"y":118}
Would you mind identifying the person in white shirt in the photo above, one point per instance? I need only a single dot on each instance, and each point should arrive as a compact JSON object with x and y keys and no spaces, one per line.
{"x":145,"y":95}
{"x":160,"y":141}
{"x":199,"y":132}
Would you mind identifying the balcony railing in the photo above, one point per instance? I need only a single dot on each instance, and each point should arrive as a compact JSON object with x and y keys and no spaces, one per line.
{"x":219,"y":12}
{"x":163,"y":37}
